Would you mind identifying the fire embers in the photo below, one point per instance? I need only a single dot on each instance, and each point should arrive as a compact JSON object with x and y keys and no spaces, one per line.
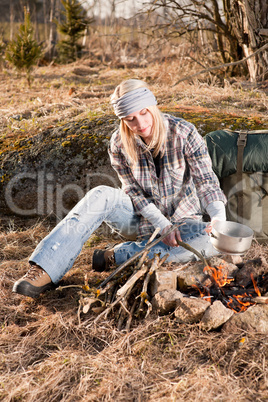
{"x":238,"y":291}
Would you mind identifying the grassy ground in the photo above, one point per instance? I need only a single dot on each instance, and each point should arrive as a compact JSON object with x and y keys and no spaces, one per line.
{"x":82,"y":90}
{"x":45,"y":353}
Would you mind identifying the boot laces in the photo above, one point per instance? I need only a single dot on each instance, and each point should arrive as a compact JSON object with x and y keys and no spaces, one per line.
{"x":34,"y":272}
{"x":111,"y":259}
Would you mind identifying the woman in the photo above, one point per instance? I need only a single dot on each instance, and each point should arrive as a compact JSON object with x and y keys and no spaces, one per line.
{"x":166,"y":175}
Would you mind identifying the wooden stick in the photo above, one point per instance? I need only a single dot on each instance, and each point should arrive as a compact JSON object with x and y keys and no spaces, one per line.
{"x":260,"y":300}
{"x":187,"y":247}
{"x":132,"y":280}
{"x":105,"y":312}
{"x":112,"y":293}
{"x":146,"y":252}
{"x":150,"y":307}
{"x":129,"y":320}
{"x":79,"y":313}
{"x":155,"y":265}
{"x":117,"y":300}
{"x":133,"y":258}
{"x":123,"y":312}
{"x":124,"y":307}
{"x":143,"y":294}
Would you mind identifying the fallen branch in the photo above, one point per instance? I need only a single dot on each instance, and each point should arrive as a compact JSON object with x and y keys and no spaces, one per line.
{"x":234,"y":63}
{"x":260,"y":299}
{"x":189,"y":248}
{"x":132,"y":280}
{"x":144,"y":255}
{"x":155,"y":265}
{"x":129,"y":320}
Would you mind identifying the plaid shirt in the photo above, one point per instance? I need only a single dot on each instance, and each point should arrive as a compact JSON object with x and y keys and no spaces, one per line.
{"x":187,"y":183}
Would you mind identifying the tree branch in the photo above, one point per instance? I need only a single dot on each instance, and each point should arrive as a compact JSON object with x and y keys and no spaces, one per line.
{"x":261,"y":49}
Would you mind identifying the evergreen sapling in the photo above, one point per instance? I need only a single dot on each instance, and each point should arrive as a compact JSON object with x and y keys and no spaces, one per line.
{"x":24,"y":52}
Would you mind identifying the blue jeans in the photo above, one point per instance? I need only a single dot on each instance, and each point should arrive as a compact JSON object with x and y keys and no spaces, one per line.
{"x":57,"y":252}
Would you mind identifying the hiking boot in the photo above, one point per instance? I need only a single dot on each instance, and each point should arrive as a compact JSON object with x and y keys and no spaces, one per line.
{"x":35,"y":282}
{"x":103,"y":260}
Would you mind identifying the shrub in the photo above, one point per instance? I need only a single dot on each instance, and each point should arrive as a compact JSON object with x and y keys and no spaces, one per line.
{"x":73,"y":28}
{"x":24,"y":52}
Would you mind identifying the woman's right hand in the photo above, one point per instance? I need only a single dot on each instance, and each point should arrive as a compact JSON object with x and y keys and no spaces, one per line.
{"x":171,"y":239}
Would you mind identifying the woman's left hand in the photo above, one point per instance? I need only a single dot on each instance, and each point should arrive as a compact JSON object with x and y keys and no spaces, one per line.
{"x":209,"y":226}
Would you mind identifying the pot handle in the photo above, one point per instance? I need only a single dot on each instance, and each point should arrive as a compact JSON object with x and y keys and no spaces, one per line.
{"x":212,"y":235}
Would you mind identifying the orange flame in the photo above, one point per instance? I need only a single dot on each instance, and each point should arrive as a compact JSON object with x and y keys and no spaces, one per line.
{"x":243,"y":305}
{"x":235,"y":302}
{"x":203,"y":294}
{"x":219,"y":276}
{"x":257,"y":290}
{"x":199,"y":290}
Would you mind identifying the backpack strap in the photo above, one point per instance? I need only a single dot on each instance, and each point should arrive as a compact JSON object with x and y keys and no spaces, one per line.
{"x":247,"y":131}
{"x":241,"y":143}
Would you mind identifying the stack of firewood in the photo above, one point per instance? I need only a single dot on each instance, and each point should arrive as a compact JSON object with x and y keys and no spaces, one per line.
{"x":124,"y":294}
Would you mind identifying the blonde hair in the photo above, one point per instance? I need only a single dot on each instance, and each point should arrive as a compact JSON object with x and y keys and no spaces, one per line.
{"x":127,"y":137}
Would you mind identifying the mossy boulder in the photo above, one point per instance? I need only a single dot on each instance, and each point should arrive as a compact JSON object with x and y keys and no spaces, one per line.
{"x":52,"y":170}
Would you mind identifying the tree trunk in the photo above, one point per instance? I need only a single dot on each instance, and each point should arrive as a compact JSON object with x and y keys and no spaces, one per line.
{"x":36,"y":31}
{"x":52,"y":40}
{"x":51,"y":24}
{"x":11,"y":19}
{"x":249,"y":19}
{"x":45,"y":19}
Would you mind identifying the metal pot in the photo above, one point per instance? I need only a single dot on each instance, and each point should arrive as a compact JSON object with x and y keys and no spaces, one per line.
{"x":231,"y":237}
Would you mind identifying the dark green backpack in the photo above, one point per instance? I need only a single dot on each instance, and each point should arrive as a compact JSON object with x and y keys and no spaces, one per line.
{"x":240,"y":160}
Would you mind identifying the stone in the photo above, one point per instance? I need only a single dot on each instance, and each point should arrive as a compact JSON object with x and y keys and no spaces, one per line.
{"x":192,"y":276}
{"x":190,"y":310}
{"x":254,"y":267}
{"x":163,"y":280}
{"x":51,"y":171}
{"x":196,"y":274}
{"x":254,"y":318}
{"x":165,"y":302}
{"x":215,"y":316}
{"x":233,"y":259}
{"x":228,"y":268}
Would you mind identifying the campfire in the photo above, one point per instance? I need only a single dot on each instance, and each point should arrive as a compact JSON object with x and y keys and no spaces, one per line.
{"x":232,"y":295}
{"x":209,"y":292}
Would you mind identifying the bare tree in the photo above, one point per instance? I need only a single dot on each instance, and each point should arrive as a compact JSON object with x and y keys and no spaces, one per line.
{"x":239,"y":26}
{"x":11,"y":19}
{"x":182,"y":17}
{"x":45,"y":18}
{"x":249,"y":20}
{"x":35,"y":22}
{"x":49,"y":11}
{"x":52,"y":26}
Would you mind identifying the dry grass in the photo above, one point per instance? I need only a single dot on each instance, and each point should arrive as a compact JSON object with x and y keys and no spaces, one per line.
{"x":76,"y":91}
{"x":47,"y":356}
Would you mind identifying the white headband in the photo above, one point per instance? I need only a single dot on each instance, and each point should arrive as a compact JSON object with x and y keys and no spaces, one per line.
{"x":133,"y":101}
